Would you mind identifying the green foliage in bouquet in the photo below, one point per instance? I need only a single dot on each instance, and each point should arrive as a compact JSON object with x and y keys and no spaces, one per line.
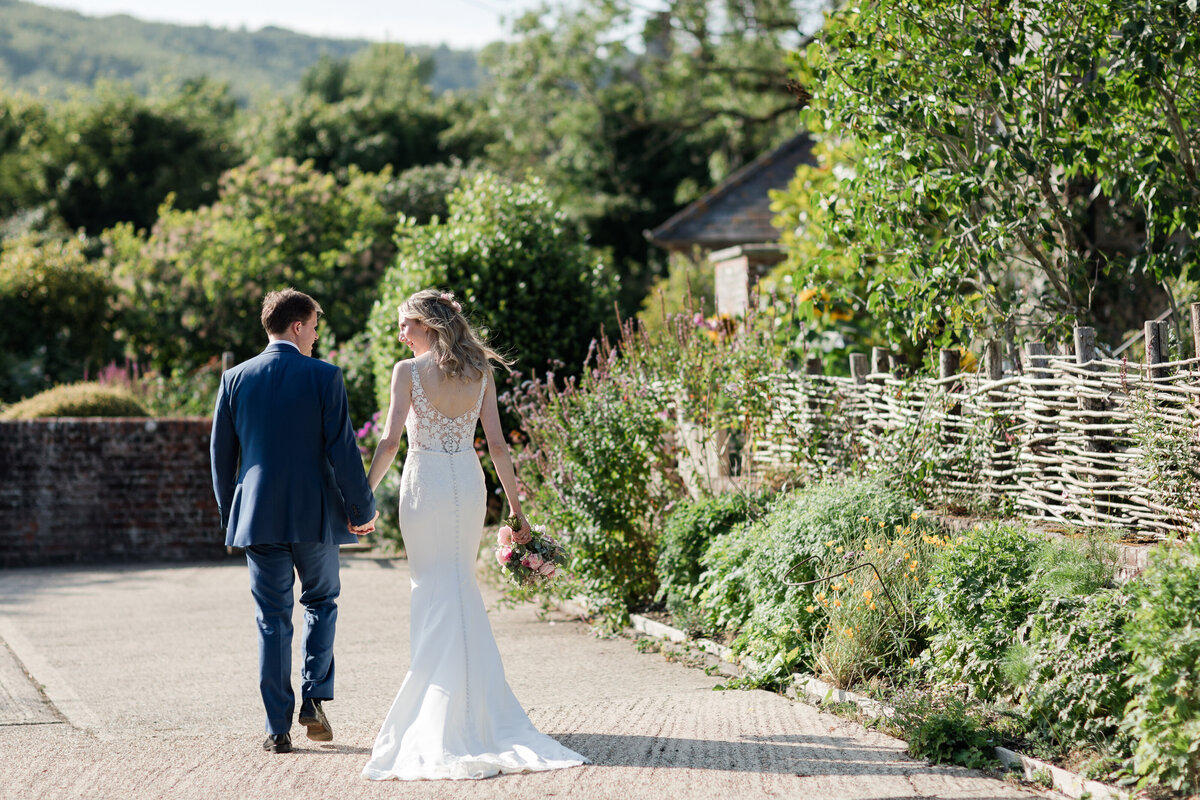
{"x":522,"y":271}
{"x":1163,"y":638}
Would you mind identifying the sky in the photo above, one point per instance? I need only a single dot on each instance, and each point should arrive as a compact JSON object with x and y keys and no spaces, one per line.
{"x":458,"y":23}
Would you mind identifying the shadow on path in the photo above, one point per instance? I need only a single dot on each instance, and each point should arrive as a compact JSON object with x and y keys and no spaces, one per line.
{"x":795,"y":755}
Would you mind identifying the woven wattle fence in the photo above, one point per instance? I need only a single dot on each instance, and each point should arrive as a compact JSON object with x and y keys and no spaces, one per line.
{"x":1066,"y":440}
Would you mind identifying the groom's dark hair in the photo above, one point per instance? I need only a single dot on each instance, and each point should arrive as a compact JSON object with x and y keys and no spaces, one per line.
{"x":281,"y":309}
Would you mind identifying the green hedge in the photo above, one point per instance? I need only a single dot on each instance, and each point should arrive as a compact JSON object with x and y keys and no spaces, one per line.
{"x":78,"y":400}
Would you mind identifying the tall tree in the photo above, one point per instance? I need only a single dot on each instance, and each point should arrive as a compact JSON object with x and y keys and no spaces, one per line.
{"x":372,"y":111}
{"x":1015,"y":165}
{"x":122,"y":154}
{"x":628,"y":116}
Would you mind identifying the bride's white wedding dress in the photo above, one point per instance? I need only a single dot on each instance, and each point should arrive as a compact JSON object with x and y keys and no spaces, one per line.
{"x":455,"y":715}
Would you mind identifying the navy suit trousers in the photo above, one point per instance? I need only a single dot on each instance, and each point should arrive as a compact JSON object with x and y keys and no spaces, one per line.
{"x":273,"y":568}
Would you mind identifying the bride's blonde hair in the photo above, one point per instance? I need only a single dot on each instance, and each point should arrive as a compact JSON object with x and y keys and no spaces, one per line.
{"x":457,"y":348}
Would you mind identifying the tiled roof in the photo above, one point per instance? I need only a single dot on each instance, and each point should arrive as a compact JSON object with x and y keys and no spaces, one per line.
{"x":737,"y":211}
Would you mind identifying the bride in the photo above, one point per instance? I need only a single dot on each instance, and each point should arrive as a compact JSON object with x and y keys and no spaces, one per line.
{"x":455,"y":715}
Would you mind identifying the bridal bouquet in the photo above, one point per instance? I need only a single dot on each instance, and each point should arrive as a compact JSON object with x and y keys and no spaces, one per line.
{"x":529,"y":558}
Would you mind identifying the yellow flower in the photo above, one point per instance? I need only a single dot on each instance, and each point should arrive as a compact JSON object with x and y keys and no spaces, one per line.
{"x":912,"y":566}
{"x":898,"y":530}
{"x":849,"y":632}
{"x":978,"y":527}
{"x":810,"y":609}
{"x":837,"y":587}
{"x":912,"y":661}
{"x":806,"y":295}
{"x":819,"y":595}
{"x":872,"y":606}
{"x":868,"y":594}
{"x":915,"y":515}
{"x":879,"y":550}
{"x":837,"y":603}
{"x":829,"y":544}
{"x":850,"y":580}
{"x":881,"y":524}
{"x":866,"y":519}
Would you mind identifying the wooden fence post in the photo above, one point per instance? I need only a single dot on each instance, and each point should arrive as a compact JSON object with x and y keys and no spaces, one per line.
{"x":948,"y":363}
{"x":993,"y":360}
{"x":1036,"y":362}
{"x":881,"y":359}
{"x":1154,"y":336}
{"x":858,"y":367}
{"x":1196,"y":328}
{"x":1085,"y":345}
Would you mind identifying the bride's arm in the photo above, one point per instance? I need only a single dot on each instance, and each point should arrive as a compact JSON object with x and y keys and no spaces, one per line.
{"x":498,"y":449}
{"x":393,"y":426}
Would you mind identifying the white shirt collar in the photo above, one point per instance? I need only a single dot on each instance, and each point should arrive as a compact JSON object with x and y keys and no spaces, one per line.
{"x":288,"y":342}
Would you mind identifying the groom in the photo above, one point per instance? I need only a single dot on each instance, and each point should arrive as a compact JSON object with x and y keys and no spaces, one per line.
{"x":290,"y":487}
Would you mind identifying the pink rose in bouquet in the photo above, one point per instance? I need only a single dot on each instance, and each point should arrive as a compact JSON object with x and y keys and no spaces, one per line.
{"x":503,"y":554}
{"x":504,"y":536}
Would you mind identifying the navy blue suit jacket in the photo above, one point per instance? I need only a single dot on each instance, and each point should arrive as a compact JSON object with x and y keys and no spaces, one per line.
{"x":285,"y":464}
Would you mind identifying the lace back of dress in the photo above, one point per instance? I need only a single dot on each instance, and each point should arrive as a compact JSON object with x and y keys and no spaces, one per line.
{"x":430,"y":429}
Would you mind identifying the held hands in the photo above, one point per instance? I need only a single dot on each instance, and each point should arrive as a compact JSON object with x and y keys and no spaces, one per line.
{"x":524,"y":529}
{"x":365,"y":528}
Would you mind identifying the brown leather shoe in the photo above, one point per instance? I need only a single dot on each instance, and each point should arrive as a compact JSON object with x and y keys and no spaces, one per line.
{"x":278,"y":743}
{"x":312,"y":716}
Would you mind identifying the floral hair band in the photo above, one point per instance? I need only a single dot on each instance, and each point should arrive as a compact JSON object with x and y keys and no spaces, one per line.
{"x":448,"y":299}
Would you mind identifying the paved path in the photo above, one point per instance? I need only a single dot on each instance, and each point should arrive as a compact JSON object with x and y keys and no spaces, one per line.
{"x":143,"y":686}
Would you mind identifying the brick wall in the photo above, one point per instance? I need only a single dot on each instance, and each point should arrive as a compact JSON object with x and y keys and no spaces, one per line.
{"x":94,"y":490}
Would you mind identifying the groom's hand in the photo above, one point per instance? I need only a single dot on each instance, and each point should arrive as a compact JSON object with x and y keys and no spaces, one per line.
{"x":365,"y":528}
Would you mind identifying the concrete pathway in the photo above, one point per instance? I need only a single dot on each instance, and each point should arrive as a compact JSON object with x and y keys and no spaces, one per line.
{"x":140,"y":682}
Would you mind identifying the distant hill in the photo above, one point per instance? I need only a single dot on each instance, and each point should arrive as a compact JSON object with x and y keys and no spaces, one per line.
{"x":51,"y":50}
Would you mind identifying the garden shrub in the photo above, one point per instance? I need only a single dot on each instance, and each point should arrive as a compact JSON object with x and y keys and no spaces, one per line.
{"x":980,"y":592}
{"x":78,"y":400}
{"x":353,"y":356}
{"x":595,"y":468}
{"x":743,"y":588}
{"x":1069,"y":672}
{"x":871,"y":625}
{"x":54,"y":305}
{"x":1163,"y":638}
{"x":192,"y":287}
{"x":943,"y":731}
{"x":687,"y":534}
{"x":522,"y":272}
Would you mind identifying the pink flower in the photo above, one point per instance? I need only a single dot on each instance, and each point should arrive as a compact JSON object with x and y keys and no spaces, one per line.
{"x":505,"y":536}
{"x":533,"y":561}
{"x":503,"y":554}
{"x":548,"y":569}
{"x":522,"y":537}
{"x":553,"y":571}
